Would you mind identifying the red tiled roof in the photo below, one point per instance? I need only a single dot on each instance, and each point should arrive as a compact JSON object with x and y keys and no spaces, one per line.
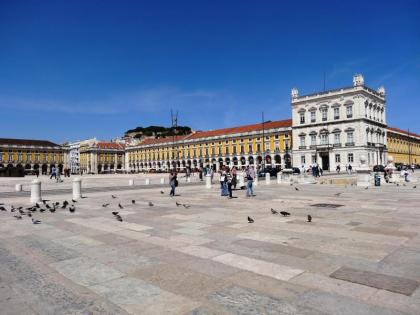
{"x":405,"y":132}
{"x":149,"y":141}
{"x":28,"y":142}
{"x":240,"y":129}
{"x":110,"y":145}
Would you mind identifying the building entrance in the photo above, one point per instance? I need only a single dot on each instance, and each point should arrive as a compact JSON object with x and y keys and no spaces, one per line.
{"x":325,"y":158}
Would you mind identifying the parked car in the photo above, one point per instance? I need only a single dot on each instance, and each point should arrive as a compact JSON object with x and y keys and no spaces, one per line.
{"x":379,"y":168}
{"x":296,"y":170}
{"x":272,"y":171}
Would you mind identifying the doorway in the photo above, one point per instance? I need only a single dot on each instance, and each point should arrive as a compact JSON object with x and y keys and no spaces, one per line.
{"x":325,"y":158}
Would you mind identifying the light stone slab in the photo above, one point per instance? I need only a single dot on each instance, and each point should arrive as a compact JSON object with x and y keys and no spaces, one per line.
{"x":324,"y":283}
{"x":134,"y":235}
{"x":190,"y":231}
{"x":86,"y":271}
{"x":263,"y":237}
{"x":191,"y":239}
{"x":200,"y":251}
{"x":258,"y":266}
{"x":193,"y":225}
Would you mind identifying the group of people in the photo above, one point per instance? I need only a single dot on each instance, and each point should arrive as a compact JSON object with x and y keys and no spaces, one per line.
{"x":229,"y":180}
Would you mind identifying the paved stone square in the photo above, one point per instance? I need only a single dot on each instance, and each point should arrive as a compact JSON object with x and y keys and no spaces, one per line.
{"x":362,"y":257}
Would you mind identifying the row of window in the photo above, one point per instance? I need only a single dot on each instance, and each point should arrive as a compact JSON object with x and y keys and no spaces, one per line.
{"x":324,"y":114}
{"x":20,"y":155}
{"x":324,"y":139}
{"x":350,"y":158}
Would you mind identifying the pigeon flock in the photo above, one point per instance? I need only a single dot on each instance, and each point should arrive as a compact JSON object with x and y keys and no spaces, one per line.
{"x":20,"y":212}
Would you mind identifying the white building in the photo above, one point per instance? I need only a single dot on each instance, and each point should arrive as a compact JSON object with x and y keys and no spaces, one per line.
{"x":336,"y":127}
{"x":74,"y":155}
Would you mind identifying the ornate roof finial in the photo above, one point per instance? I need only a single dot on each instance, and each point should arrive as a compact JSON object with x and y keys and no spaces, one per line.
{"x":295,"y":93}
{"x":358,"y":80}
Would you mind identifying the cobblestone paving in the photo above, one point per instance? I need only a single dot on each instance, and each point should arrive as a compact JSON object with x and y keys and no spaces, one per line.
{"x":204,"y":258}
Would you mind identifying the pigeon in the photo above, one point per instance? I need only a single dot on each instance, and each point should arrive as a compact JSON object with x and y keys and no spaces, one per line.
{"x":186,"y":206}
{"x":398,"y":184}
{"x":74,"y":201}
{"x":113,"y":196}
{"x":52,"y":209}
{"x":367,"y":187}
{"x":36,"y":221}
{"x":162,"y":192}
{"x":65,"y":204}
{"x":72,"y":208}
{"x":250,"y":220}
{"x":133,"y":201}
{"x":337,"y":194}
{"x":42,"y":210}
{"x":177,"y":203}
{"x":284,"y":213}
{"x":118,"y":217}
{"x":114,"y":212}
{"x":44,"y":201}
{"x":297,"y":189}
{"x":47,"y":206}
{"x":274,"y":211}
{"x":57,"y":203}
{"x":120,"y":206}
{"x":150,"y":204}
{"x":309,"y":218}
{"x":29,"y":214}
{"x":12,"y":209}
{"x":37,"y":205}
{"x":415,"y":186}
{"x":18,"y":216}
{"x":21,"y":211}
{"x":2,"y":208}
{"x":105,"y":205}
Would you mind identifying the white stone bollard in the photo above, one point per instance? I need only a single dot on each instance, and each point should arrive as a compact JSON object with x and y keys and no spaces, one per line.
{"x":36,"y":191}
{"x":188,"y":179}
{"x":147,"y":181}
{"x":162,"y":180}
{"x":267,"y":178}
{"x":131,"y":182}
{"x":77,"y":188}
{"x":363,"y":173}
{"x":279,"y":178}
{"x":241,"y":180}
{"x":208,"y":181}
{"x":18,"y":187}
{"x":255,"y":182}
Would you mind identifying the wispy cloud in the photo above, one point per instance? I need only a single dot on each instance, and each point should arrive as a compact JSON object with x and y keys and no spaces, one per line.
{"x":150,"y":100}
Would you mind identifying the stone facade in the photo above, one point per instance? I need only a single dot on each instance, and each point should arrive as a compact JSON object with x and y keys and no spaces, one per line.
{"x":338,"y":126}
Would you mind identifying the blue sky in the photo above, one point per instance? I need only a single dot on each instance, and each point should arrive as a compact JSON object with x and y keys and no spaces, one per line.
{"x":76,"y":69}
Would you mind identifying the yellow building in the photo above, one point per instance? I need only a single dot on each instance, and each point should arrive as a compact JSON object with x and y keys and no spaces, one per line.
{"x":32,"y":155}
{"x":101,"y":157}
{"x":256,"y":144}
{"x":403,"y":146}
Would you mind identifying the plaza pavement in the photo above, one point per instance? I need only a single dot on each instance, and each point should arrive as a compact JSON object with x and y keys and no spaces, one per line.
{"x":361,"y":257}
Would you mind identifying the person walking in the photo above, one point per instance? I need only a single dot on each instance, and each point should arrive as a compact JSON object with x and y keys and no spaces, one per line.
{"x":173,"y":182}
{"x":350,"y":169}
{"x":338,"y":169}
{"x":57,"y":175}
{"x":223,"y":183}
{"x":234,"y":177}
{"x":229,"y":183}
{"x":250,"y":175}
{"x":53,"y":174}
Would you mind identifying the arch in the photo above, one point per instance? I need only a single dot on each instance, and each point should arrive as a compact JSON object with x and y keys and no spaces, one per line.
{"x":105,"y":167}
{"x":235,"y":161}
{"x":112,"y":166}
{"x":277,"y":159}
{"x":336,"y":130}
{"x":287,"y":160}
{"x":183,"y":163}
{"x":99,"y":168}
{"x":227,"y":160}
{"x":1,"y":165}
{"x":60,"y":168}
{"x":44,"y":169}
{"x":251,"y":160}
{"x":268,"y":159}
{"x":51,"y":167}
{"x":119,"y":166}
{"x":36,"y":166}
{"x":243,"y":160}
{"x":27,"y":166}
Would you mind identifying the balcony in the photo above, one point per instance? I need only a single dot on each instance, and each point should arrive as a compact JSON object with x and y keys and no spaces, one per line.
{"x":313,"y":120}
{"x":349,"y":115}
{"x":349,"y":144}
{"x":336,"y":117}
{"x":324,"y":118}
{"x":302,"y":147}
{"x":337,"y":145}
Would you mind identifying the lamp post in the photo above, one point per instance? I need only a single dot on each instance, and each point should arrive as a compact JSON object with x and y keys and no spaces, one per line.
{"x":263,"y":141}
